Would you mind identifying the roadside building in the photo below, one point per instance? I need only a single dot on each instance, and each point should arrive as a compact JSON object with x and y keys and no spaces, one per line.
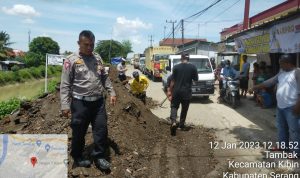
{"x":199,"y":47}
{"x":178,"y":41}
{"x":268,"y":34}
{"x":7,"y":65}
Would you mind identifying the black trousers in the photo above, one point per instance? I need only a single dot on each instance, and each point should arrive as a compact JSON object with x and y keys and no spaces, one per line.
{"x":122,"y":77}
{"x":185,"y":103}
{"x":84,"y":113}
{"x":142,"y":97}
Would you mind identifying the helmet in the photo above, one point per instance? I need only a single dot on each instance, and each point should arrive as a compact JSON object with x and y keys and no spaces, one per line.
{"x":227,"y":62}
{"x":135,"y":74}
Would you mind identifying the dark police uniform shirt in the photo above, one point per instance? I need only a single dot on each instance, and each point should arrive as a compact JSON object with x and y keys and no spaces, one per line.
{"x":81,"y":75}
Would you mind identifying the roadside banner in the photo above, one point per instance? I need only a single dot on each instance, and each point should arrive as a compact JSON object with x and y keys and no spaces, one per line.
{"x":52,"y":59}
{"x":279,"y":38}
{"x":253,"y":42}
{"x":285,"y":37}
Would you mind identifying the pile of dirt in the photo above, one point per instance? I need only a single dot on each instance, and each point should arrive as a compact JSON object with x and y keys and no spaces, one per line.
{"x":140,"y":144}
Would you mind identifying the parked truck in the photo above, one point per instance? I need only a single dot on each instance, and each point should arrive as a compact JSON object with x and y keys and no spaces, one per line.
{"x":156,"y":58}
{"x":136,"y":60}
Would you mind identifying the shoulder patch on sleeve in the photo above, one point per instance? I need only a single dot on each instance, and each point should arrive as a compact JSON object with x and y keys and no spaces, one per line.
{"x":67,"y":64}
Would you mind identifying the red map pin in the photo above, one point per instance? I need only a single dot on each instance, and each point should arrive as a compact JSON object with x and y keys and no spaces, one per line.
{"x":33,"y":160}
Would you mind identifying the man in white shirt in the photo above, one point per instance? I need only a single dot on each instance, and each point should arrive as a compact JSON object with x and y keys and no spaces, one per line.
{"x":121,"y":67}
{"x":288,"y":103}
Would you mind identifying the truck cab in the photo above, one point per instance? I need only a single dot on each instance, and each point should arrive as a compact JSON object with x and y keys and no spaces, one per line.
{"x":205,"y":85}
{"x":156,"y":59}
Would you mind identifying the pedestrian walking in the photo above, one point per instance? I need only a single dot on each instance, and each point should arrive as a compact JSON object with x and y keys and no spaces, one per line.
{"x":288,"y":103}
{"x":180,"y":91}
{"x":83,"y":82}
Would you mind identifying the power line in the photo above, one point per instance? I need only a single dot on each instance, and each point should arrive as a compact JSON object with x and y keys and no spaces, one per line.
{"x":212,"y":21}
{"x":151,"y":41}
{"x":178,"y":7}
{"x":224,"y":10}
{"x":173,"y":29}
{"x":202,"y":11}
{"x":186,"y":9}
{"x":194,"y":16}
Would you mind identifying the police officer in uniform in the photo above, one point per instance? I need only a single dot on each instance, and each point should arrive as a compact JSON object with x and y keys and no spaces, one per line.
{"x":83,"y":82}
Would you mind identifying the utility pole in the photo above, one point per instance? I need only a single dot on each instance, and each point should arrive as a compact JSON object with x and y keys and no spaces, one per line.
{"x":165,"y":32}
{"x":29,"y":32}
{"x":109,"y":54}
{"x":151,"y":40}
{"x":198,"y":36}
{"x":173,"y":22}
{"x":182,"y":32}
{"x":246,"y":15}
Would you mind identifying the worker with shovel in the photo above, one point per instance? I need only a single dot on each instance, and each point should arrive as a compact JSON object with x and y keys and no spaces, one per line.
{"x":139,"y":85}
{"x":180,"y":91}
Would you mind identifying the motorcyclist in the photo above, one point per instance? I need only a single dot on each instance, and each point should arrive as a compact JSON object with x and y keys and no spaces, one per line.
{"x":227,"y":72}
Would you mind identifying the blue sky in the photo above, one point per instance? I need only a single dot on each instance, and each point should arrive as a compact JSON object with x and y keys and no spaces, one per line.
{"x":133,"y":20}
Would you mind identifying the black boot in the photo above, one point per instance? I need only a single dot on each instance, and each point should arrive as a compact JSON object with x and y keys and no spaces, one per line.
{"x":173,"y":129}
{"x":81,"y":162}
{"x":102,"y":164}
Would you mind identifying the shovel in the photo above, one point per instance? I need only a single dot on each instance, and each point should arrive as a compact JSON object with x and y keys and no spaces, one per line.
{"x":163,"y":101}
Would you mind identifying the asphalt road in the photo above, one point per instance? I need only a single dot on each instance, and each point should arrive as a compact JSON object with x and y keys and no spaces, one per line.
{"x":245,"y":124}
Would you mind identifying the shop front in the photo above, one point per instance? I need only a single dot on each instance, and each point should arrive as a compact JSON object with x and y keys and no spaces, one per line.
{"x":271,"y":40}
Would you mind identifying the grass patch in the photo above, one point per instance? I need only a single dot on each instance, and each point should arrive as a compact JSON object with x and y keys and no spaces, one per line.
{"x":22,"y":75}
{"x":6,"y":107}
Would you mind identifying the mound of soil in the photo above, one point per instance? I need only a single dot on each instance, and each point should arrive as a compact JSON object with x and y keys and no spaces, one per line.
{"x":140,"y":144}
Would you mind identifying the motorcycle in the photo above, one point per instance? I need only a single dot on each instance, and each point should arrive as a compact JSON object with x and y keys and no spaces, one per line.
{"x":231,"y":93}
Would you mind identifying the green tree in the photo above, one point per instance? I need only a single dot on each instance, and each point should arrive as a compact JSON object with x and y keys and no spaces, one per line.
{"x":43,"y":45}
{"x":127,"y":47}
{"x":103,"y":47}
{"x":67,"y":53}
{"x":38,"y":49}
{"x":34,"y":59}
{"x":4,"y":44}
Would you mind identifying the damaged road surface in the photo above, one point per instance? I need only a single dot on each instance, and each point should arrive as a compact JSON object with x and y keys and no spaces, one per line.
{"x":140,"y":144}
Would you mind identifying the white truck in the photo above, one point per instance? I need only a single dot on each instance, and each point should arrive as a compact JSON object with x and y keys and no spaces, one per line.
{"x":205,"y":84}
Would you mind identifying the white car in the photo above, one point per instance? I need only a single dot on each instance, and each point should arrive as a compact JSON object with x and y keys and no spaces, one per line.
{"x":205,"y":84}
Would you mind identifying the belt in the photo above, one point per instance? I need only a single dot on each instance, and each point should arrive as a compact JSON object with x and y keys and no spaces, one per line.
{"x":87,"y":98}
